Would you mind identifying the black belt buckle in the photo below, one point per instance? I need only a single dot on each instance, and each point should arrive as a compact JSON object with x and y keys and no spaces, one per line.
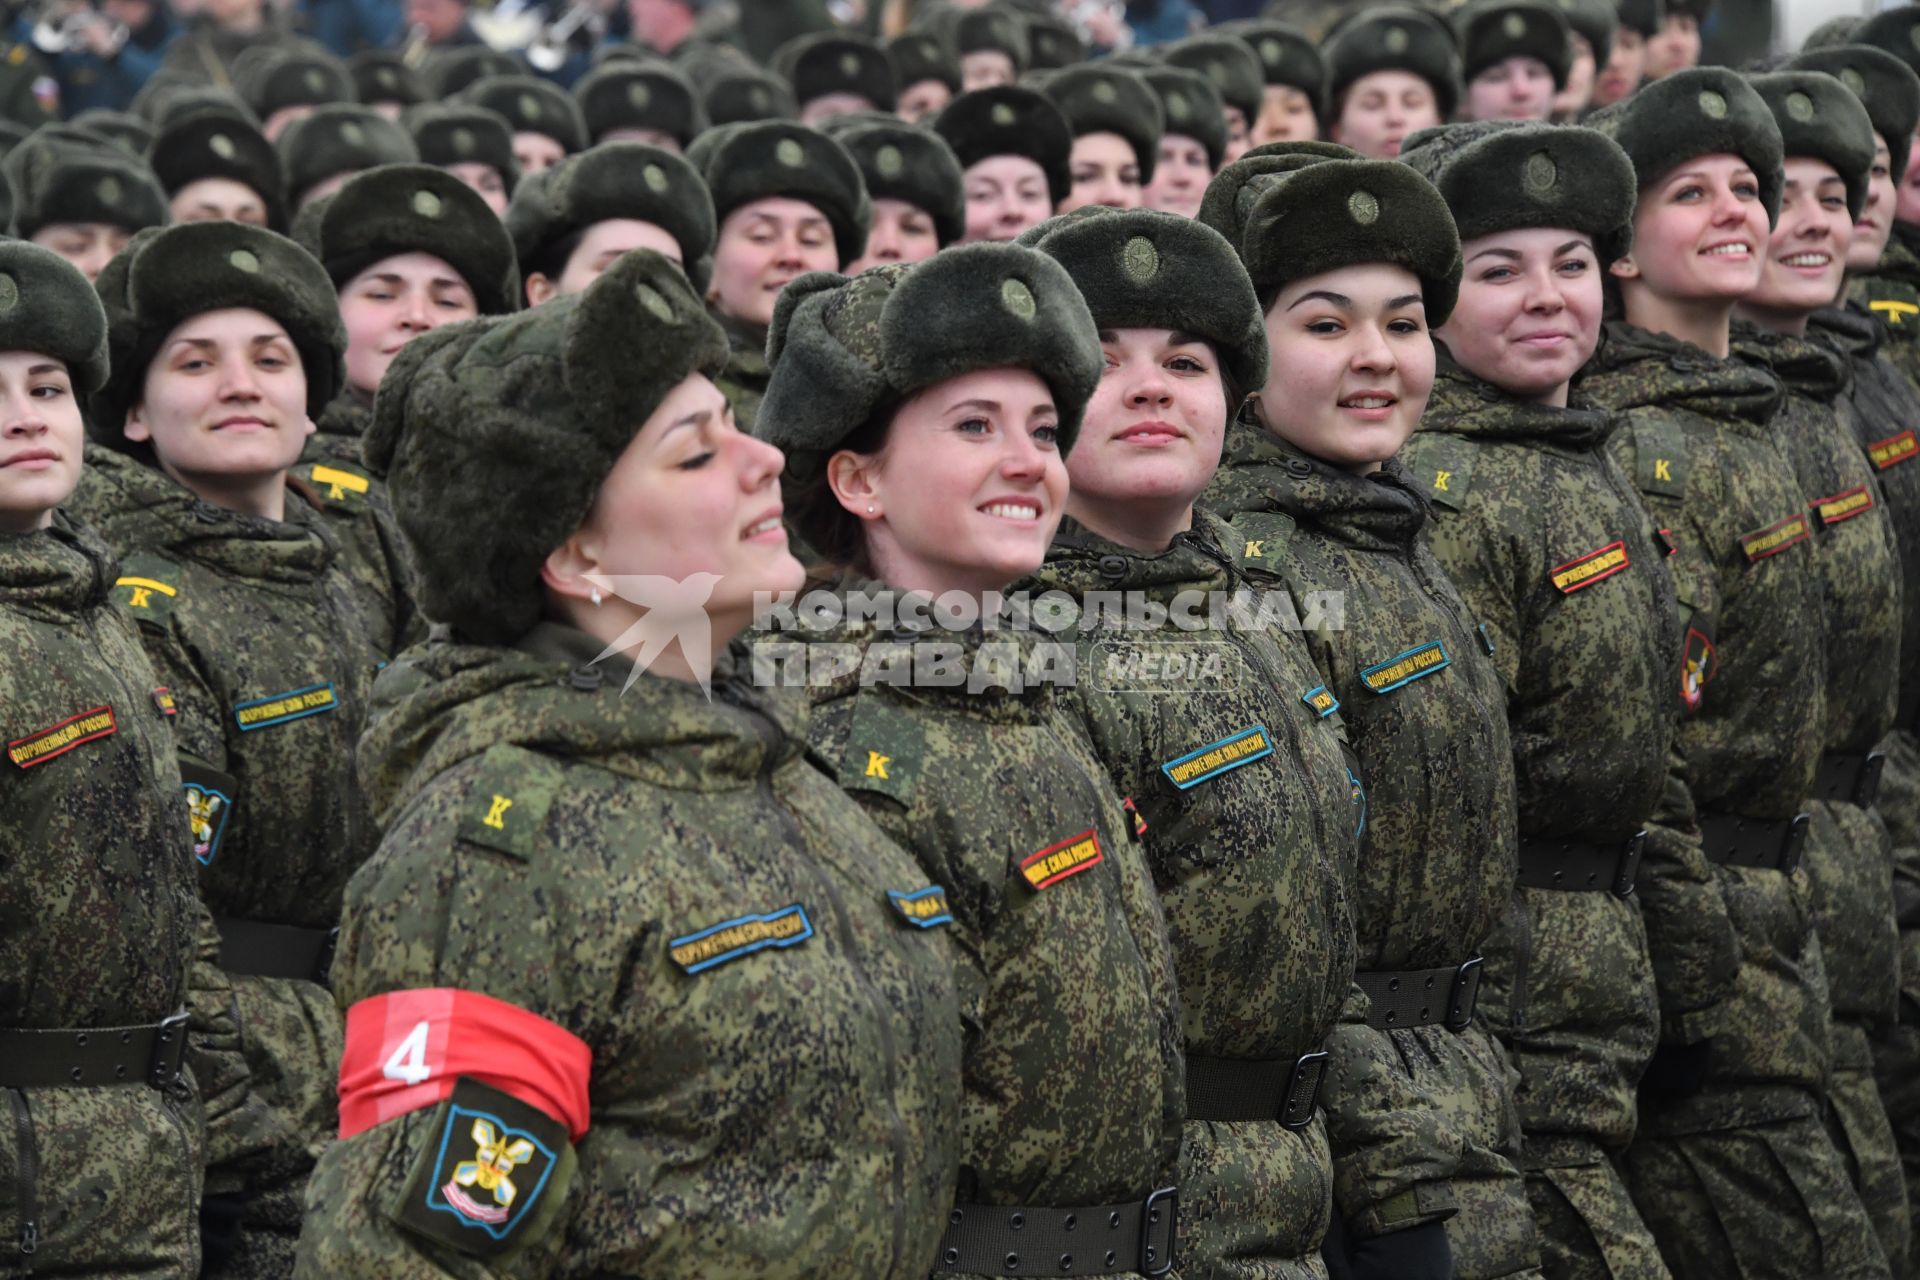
{"x":1629,"y":867}
{"x":1303,"y":1090}
{"x":169,"y":1048}
{"x":1867,"y":789}
{"x":1152,"y":1263}
{"x":1795,"y":843}
{"x":1465,"y":994}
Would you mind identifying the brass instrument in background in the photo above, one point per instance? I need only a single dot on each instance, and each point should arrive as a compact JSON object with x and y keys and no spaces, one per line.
{"x":414,"y":51}
{"x":521,"y":28}
{"x":60,"y":26}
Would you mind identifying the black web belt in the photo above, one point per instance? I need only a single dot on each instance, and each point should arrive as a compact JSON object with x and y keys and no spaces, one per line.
{"x":1422,"y":997}
{"x":1016,"y":1240}
{"x":258,"y":949}
{"x":1768,"y":844}
{"x":1849,"y":779}
{"x":1578,"y":866}
{"x":1283,"y":1089}
{"x":85,"y":1057}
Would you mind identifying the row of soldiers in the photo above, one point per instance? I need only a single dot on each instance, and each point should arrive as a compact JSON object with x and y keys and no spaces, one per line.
{"x":1536,"y":912}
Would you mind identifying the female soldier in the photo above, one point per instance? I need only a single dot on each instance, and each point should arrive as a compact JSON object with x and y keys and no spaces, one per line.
{"x":1296,"y":82}
{"x":1391,"y":72}
{"x":1116,"y":121}
{"x":101,"y":1159}
{"x":926,"y":410}
{"x":1729,"y":1121}
{"x":1194,"y":145}
{"x":575,"y":220}
{"x":1552,"y":551}
{"x":79,"y":196}
{"x":1014,"y":148}
{"x":228,"y":343}
{"x":789,"y":200}
{"x":546,"y":123}
{"x":739,"y":1051}
{"x":1250,"y":850}
{"x":1881,"y":400}
{"x":1626,"y":61}
{"x":914,"y":179}
{"x":1355,"y":260}
{"x":1514,"y":56}
{"x":1828,"y":144}
{"x":1236,"y":72}
{"x":214,"y":163}
{"x":473,"y":144}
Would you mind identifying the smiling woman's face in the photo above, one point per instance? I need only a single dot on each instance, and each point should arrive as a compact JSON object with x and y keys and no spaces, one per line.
{"x":41,"y":438}
{"x":393,"y":302}
{"x":225,"y":398}
{"x":762,"y":246}
{"x":1529,"y":311}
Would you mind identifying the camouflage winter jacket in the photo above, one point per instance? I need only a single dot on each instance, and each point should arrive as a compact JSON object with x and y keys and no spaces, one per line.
{"x":744,"y":380}
{"x":1073,"y":1063}
{"x":1549,"y":545}
{"x":1697,"y":438}
{"x":357,"y":509}
{"x":763,"y":1008}
{"x":1231,"y":755}
{"x":1856,"y":563}
{"x":1891,"y":295}
{"x":1425,"y":713}
{"x":97,"y":922}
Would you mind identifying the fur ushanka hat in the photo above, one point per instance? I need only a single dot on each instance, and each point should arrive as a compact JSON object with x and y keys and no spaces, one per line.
{"x":1701,"y":111}
{"x":1885,"y":85}
{"x":1008,"y":120}
{"x":1505,"y":176}
{"x":495,"y":434}
{"x":1820,"y":117}
{"x":47,"y":306}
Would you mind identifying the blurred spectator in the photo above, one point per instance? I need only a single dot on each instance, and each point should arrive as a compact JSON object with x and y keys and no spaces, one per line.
{"x":109,"y":51}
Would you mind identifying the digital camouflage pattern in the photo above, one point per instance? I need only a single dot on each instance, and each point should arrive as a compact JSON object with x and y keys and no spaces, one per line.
{"x":744,"y":380}
{"x":1891,"y":295}
{"x":1073,"y":1065}
{"x":1437,"y":858}
{"x":1698,"y":438}
{"x":1550,"y":547}
{"x":791,"y":1112}
{"x":1251,"y":864}
{"x":1885,"y":406}
{"x":358,"y":510}
{"x":97,"y":922}
{"x":269,"y":640}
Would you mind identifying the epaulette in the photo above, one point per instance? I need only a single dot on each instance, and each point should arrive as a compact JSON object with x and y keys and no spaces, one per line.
{"x":1260,"y":540}
{"x":885,"y":749}
{"x":148,"y":588}
{"x":507,"y":808}
{"x":341,"y":486}
{"x":1660,"y":458}
{"x":1441,"y":466}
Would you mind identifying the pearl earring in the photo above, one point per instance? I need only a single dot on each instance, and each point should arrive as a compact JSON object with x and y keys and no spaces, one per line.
{"x":594,"y":596}
{"x":869,"y":508}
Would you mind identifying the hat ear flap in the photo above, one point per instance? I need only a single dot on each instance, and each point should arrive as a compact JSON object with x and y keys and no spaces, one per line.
{"x":796,"y":291}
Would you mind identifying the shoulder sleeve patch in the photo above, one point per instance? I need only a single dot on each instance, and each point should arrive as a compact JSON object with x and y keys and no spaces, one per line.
{"x":1660,"y":459}
{"x":1259,"y":539}
{"x":886,"y":747}
{"x":491,"y":1173}
{"x":148,"y":588}
{"x":507,"y":809}
{"x":1442,"y":468}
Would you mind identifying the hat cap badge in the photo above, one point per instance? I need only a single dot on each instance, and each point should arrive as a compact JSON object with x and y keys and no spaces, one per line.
{"x":1176,"y":106}
{"x":639,"y":95}
{"x":655,"y":304}
{"x":656,"y":178}
{"x":1103,"y":91}
{"x":889,"y":161}
{"x":1396,"y":40}
{"x":463,"y":141}
{"x":1712,"y":105}
{"x":849,"y":65}
{"x":1913,"y":35}
{"x":1854,"y":81}
{"x":1800,"y":107}
{"x":108,"y":189}
{"x":426,"y":204}
{"x":1002,"y":114}
{"x":790,"y":153}
{"x":1140,"y":260}
{"x":221,"y":145}
{"x":316,"y":82}
{"x":9,"y":293}
{"x":1270,"y":51}
{"x":1364,"y":207}
{"x":353,"y":134}
{"x":1541,"y":173}
{"x":1514,"y":25}
{"x":1018,"y":299}
{"x":244,"y":260}
{"x":529,"y":106}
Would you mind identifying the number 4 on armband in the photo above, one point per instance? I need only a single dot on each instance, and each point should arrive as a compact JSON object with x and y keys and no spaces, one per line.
{"x":408,"y":1062}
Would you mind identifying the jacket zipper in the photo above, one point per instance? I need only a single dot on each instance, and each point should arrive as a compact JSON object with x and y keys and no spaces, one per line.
{"x":27,"y":1174}
{"x":771,"y":734}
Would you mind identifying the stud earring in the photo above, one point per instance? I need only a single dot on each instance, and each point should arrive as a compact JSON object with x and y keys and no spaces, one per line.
{"x":869,"y":508}
{"x":594,"y":596}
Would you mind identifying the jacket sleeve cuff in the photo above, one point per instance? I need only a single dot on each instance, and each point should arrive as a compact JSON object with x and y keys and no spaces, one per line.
{"x":1425,"y":1202}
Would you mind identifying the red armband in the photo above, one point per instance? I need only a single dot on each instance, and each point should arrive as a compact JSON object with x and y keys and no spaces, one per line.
{"x":406,"y":1049}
